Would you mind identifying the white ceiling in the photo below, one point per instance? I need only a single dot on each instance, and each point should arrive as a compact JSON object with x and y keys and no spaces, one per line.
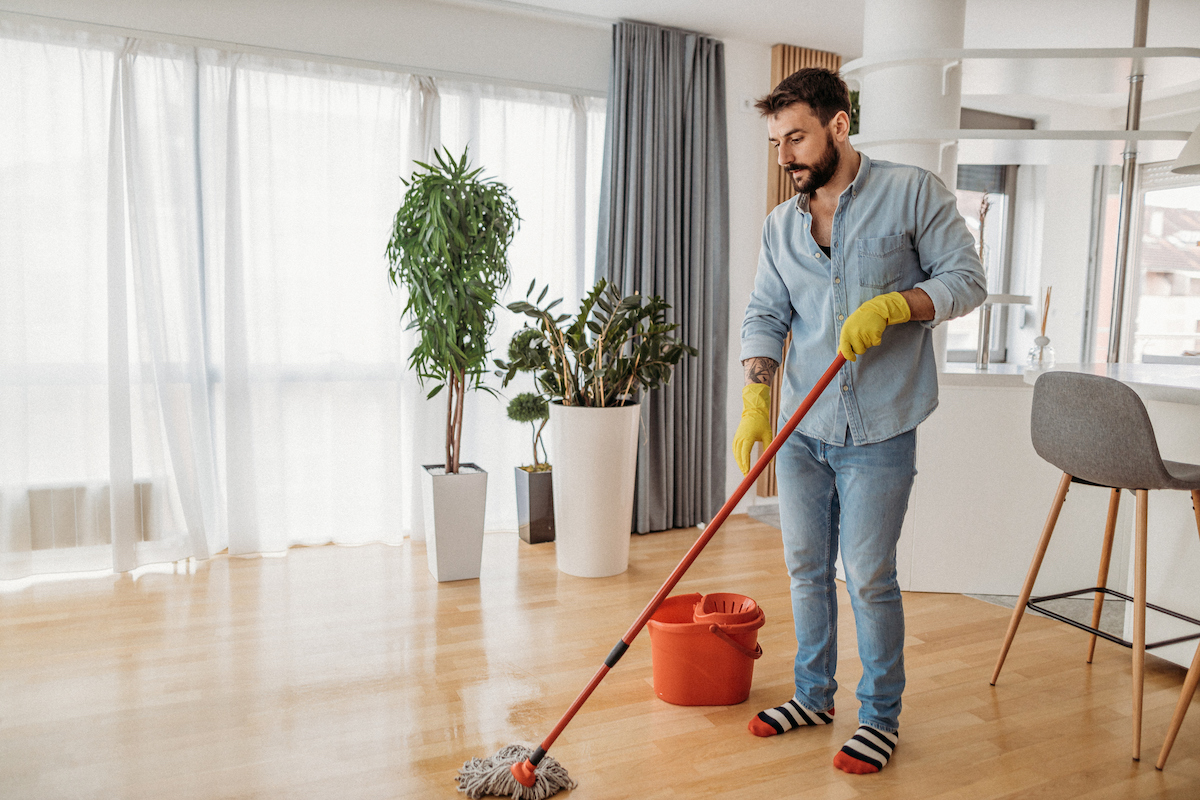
{"x":1033,"y":89}
{"x":836,"y":25}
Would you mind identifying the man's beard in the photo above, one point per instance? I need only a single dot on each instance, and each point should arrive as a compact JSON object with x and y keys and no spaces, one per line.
{"x":818,"y":174}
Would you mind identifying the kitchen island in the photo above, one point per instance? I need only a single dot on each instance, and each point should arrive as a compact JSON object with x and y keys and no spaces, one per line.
{"x":981,"y":496}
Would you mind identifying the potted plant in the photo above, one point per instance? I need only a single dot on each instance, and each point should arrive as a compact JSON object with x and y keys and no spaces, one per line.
{"x":535,"y":492}
{"x":594,"y":365}
{"x":449,"y":250}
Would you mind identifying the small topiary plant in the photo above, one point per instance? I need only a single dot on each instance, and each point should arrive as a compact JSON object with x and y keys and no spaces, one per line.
{"x":532,"y":408}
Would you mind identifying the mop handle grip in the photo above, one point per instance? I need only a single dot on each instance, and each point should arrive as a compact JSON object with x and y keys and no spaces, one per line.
{"x":709,"y":531}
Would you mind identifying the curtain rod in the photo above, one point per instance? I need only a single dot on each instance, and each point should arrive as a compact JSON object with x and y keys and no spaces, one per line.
{"x":302,"y":55}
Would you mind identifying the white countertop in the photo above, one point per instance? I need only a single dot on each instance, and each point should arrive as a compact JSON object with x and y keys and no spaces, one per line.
{"x":961,"y":373}
{"x":1168,"y":383}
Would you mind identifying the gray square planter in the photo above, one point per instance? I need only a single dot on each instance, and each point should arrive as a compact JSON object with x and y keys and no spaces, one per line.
{"x":535,"y":505}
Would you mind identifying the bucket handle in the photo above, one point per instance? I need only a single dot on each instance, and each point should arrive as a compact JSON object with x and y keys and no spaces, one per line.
{"x":727,"y":639}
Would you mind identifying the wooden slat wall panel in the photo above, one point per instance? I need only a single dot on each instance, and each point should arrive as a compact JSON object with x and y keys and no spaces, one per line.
{"x":785,"y":59}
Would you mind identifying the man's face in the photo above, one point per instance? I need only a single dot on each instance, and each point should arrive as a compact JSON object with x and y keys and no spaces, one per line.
{"x":804,"y":147}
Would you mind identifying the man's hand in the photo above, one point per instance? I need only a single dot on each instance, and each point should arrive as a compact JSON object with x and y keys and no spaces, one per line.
{"x":864,"y":328}
{"x":755,"y":425}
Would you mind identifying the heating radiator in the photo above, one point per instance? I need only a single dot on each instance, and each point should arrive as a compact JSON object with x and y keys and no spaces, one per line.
{"x":77,"y":515}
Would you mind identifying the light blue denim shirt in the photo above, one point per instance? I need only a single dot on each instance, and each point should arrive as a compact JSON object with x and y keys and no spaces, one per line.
{"x":896,"y":227}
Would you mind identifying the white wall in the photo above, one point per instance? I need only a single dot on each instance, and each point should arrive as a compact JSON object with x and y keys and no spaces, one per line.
{"x":410,"y":34}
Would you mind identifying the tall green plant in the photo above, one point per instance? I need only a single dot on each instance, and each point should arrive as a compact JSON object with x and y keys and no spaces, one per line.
{"x":449,"y":249}
{"x":612,"y":349}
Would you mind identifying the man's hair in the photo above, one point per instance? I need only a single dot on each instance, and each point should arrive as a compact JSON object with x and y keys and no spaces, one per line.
{"x":823,"y":90}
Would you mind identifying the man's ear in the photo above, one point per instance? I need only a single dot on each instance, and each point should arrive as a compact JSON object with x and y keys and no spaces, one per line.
{"x":839,"y":126}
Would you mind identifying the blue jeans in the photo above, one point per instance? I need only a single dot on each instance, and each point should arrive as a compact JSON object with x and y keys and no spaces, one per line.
{"x":856,"y":494}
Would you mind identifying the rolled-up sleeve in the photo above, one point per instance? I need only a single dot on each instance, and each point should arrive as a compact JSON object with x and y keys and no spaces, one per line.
{"x":957,"y":283}
{"x":769,"y":312}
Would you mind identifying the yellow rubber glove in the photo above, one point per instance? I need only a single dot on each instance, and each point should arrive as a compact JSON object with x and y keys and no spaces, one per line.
{"x":755,"y":425}
{"x":864,"y":328}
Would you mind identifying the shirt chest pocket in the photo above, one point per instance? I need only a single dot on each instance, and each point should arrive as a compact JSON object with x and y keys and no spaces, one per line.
{"x":883,"y":261}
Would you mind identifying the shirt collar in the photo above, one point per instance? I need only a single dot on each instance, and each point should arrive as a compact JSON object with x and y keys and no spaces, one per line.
{"x":856,"y":185}
{"x":860,"y":179}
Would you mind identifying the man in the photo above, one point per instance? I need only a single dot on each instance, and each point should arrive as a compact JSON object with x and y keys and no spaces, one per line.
{"x":864,"y":246}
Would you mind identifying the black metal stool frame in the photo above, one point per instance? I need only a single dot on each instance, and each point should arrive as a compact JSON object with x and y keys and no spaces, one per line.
{"x":1032,"y":603}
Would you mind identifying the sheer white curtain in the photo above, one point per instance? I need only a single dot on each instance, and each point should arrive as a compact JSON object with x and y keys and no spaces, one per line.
{"x":548,"y":148}
{"x":328,"y":426}
{"x":53,"y":301}
{"x":159,"y":433}
{"x":199,"y":348}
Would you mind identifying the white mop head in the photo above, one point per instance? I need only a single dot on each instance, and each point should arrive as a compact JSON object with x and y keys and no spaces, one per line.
{"x":492,"y":776}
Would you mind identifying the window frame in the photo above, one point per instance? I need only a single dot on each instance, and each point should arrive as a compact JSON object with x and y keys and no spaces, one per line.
{"x":1151,"y":177}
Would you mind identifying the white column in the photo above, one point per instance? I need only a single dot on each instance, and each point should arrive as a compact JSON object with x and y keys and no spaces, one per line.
{"x":912,"y":97}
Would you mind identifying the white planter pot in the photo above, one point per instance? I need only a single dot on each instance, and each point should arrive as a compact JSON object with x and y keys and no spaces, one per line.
{"x":454,"y":506}
{"x":595,"y":458}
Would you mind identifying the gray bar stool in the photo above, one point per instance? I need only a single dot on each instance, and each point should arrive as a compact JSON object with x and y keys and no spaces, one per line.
{"x":1097,"y":432}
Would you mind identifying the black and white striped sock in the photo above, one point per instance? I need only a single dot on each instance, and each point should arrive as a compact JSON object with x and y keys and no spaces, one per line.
{"x":868,"y":750}
{"x":787,"y":716}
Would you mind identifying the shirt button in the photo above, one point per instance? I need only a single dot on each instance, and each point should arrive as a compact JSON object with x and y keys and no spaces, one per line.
{"x":845,"y":388}
{"x":837,"y":280}
{"x":841,"y":316}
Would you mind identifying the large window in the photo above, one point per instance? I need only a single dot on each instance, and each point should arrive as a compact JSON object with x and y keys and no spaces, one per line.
{"x":1162,"y":317}
{"x":1166,"y":284}
{"x":194,"y":306}
{"x":986,"y":201}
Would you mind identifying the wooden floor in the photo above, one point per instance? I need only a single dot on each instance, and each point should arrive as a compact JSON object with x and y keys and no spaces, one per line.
{"x":340,"y":672}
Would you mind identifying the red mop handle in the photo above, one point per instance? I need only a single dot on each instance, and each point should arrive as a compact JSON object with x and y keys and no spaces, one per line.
{"x":525,"y":769}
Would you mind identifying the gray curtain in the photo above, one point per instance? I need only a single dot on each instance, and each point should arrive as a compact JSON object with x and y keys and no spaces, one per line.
{"x":664,"y":229}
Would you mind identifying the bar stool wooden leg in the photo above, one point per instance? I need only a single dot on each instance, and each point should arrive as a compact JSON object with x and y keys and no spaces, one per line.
{"x":1019,"y":610}
{"x":1189,"y":683}
{"x":1139,"y":620}
{"x":1110,"y":528}
{"x":1181,"y":708}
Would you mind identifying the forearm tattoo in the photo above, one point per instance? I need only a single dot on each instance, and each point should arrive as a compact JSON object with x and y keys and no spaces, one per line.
{"x":760,"y":370}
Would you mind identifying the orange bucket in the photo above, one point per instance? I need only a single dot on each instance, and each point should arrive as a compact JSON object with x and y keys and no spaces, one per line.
{"x":703,"y":650}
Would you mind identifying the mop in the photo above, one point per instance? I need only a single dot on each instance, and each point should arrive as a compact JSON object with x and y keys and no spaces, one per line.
{"x":524,"y":774}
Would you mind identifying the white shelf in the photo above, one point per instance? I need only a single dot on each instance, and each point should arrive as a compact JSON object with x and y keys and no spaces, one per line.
{"x":1008,"y":300}
{"x":1096,"y":76}
{"x":861,"y":66}
{"x":1037,"y":146}
{"x":953,"y":135}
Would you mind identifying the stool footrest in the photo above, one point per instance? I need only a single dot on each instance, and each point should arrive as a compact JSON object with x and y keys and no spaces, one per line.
{"x":1033,"y":604}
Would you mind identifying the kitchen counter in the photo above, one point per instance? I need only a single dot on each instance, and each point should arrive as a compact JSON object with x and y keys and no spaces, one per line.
{"x":958,"y":373}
